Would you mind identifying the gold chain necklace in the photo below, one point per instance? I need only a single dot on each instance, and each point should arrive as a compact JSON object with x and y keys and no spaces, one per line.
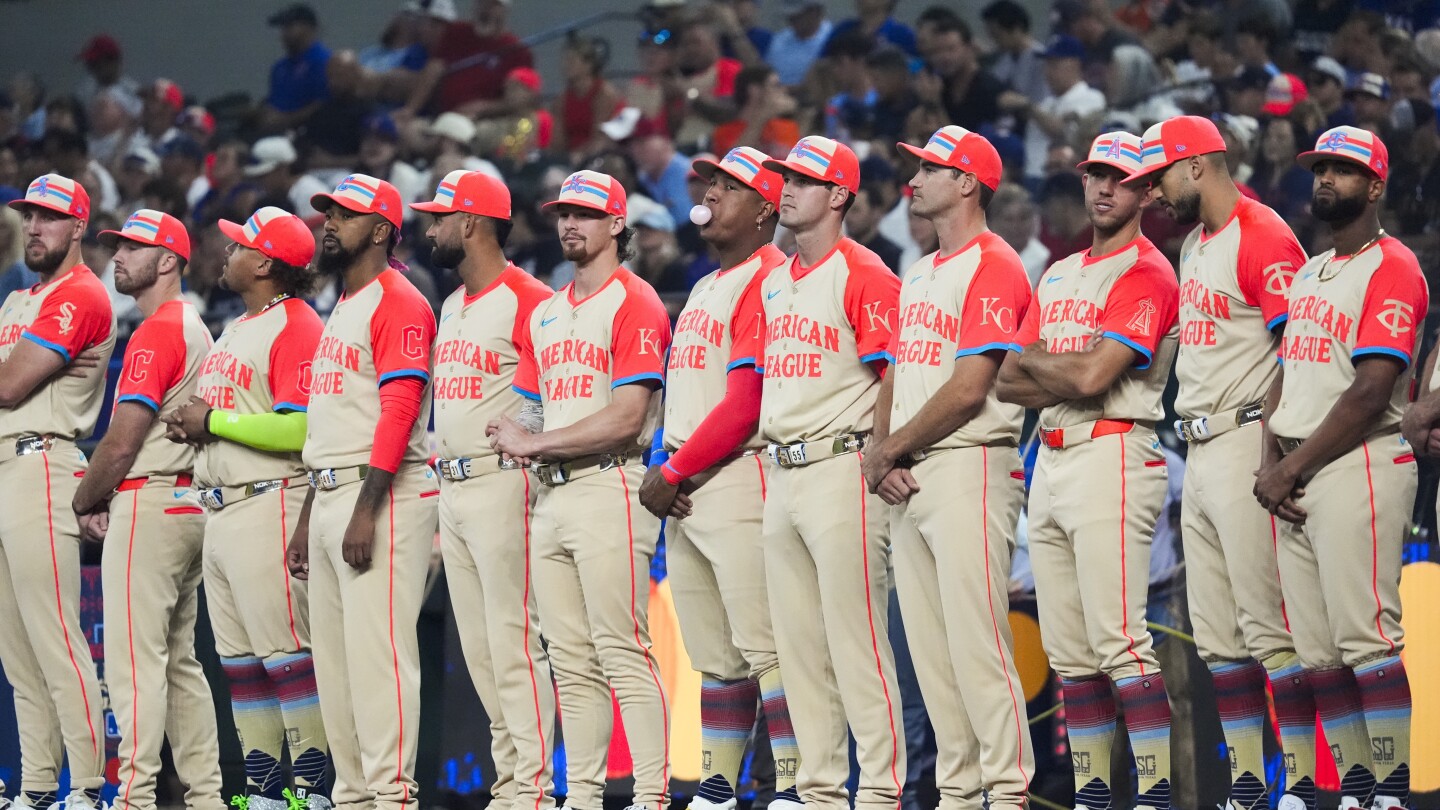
{"x":1324,"y":268}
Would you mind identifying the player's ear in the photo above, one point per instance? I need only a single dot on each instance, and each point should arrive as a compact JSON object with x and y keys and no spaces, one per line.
{"x":1377,"y":190}
{"x":767,"y":210}
{"x":262,"y":270}
{"x":617,"y":226}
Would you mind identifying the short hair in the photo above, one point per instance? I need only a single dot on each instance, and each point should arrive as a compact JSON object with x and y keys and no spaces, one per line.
{"x":1008,"y":196}
{"x":1208,"y":26}
{"x":888,"y":57}
{"x":987,"y":195}
{"x":1260,"y":26}
{"x":935,"y":15}
{"x":295,"y":281}
{"x":954,"y":25}
{"x":625,"y":243}
{"x":65,"y":141}
{"x":748,"y":79}
{"x":849,"y":200}
{"x":502,"y":229}
{"x":1006,"y":14}
{"x":873,"y":191}
{"x":1373,"y":21}
{"x":852,"y":44}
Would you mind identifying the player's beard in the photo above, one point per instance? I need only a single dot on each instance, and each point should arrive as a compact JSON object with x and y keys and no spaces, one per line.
{"x":447,"y":256}
{"x":1185,"y":208}
{"x":334,"y":258}
{"x":47,"y":261}
{"x":1337,"y":210}
{"x":138,"y":278}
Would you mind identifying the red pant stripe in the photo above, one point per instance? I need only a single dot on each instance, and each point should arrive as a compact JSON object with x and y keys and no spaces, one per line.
{"x":874,"y":642}
{"x":60,"y":606}
{"x":1020,"y":726}
{"x":529,"y":660}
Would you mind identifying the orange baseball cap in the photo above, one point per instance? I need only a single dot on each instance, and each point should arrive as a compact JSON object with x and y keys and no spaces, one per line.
{"x":745,"y":164}
{"x":56,"y":193}
{"x":959,"y":148}
{"x":470,"y":192}
{"x":363,"y":194}
{"x":594,"y":190}
{"x":1175,"y":140}
{"x":154,"y":228}
{"x":274,"y":232}
{"x":820,"y":159}
{"x":1349,"y":143}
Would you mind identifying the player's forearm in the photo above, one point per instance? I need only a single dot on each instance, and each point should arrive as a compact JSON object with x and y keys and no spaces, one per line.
{"x":952,"y":406}
{"x":1269,"y":447}
{"x":1067,"y":375}
{"x":614,"y":427}
{"x":374,"y":492}
{"x":1015,"y":386}
{"x":722,"y":431}
{"x":1347,"y":424}
{"x":108,"y":468}
{"x":884,"y":404}
{"x":271,"y":432}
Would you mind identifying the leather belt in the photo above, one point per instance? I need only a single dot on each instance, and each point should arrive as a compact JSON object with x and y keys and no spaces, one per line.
{"x":1062,"y":438}
{"x":801,"y":454}
{"x":460,"y":469}
{"x":336,"y":477}
{"x":1206,"y":428}
{"x":563,"y":472}
{"x":179,"y":481}
{"x":217,"y":498}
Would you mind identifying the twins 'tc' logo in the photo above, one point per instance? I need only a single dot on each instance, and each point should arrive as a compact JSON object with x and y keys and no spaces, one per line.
{"x":140,"y":365}
{"x":1397,"y":317}
{"x":412,"y":343}
{"x":1278,"y":277}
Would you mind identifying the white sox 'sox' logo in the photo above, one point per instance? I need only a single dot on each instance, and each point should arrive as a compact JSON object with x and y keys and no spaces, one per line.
{"x":1144,"y":314}
{"x":140,"y":365}
{"x":412,"y":342}
{"x":876,"y":321}
{"x":306,"y":377}
{"x":1278,"y":277}
{"x":1398,"y":317}
{"x":66,"y":318}
{"x":649,"y":342}
{"x":1002,"y":317}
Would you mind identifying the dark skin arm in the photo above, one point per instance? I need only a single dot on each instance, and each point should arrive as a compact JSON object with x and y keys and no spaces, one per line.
{"x":113,"y":458}
{"x":359,"y":542}
{"x":1015,"y":385}
{"x":28,"y":365}
{"x":1270,"y":453}
{"x":1078,"y":375}
{"x":1420,"y":418}
{"x":297,"y":553}
{"x":616,"y":425}
{"x":1342,"y":430}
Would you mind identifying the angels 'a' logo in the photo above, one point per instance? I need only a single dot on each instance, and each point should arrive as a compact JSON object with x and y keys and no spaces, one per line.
{"x":1144,"y":315}
{"x":66,"y":318}
{"x":1397,"y":317}
{"x":306,"y":376}
{"x":1278,"y":277}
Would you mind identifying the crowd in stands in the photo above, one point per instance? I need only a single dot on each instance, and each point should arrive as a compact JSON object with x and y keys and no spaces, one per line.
{"x":449,"y":85}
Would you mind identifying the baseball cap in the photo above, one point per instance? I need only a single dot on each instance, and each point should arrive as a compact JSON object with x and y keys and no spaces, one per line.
{"x":745,"y":164}
{"x":298,"y":12}
{"x":1118,"y":149}
{"x":1283,"y":93}
{"x":170,"y":93}
{"x":470,"y":192}
{"x":959,"y":148}
{"x":647,"y":213}
{"x":269,"y":154}
{"x":98,"y":49}
{"x":199,"y":118}
{"x":454,"y":126}
{"x":1251,"y":78}
{"x":182,"y":146}
{"x":820,"y":159}
{"x":363,"y":194}
{"x":274,"y":232}
{"x":439,"y":9}
{"x":382,"y":125}
{"x":150,"y":227}
{"x":1370,"y":84}
{"x":620,"y":127}
{"x":1064,"y":47}
{"x":1167,"y":142}
{"x":1349,"y":143}
{"x":594,"y":190}
{"x":526,"y":76}
{"x":1327,"y":66}
{"x":57,"y":193}
{"x":144,"y":157}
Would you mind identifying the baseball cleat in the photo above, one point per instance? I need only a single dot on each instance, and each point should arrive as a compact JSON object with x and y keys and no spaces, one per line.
{"x":1347,"y":802}
{"x":786,"y":804}
{"x":1387,"y":803}
{"x":262,"y":803}
{"x":702,"y":803}
{"x":1291,"y":802}
{"x":75,"y":801}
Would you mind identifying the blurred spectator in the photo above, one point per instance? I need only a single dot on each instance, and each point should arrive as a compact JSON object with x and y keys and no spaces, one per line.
{"x":1095,"y":27}
{"x":1017,"y":61}
{"x":795,"y":48}
{"x":466,"y":73}
{"x":889,"y":71}
{"x":875,"y":19}
{"x":1277,"y":178}
{"x":1413,"y":193}
{"x":747,"y":16}
{"x":1255,"y":40}
{"x":114,"y":125}
{"x":646,"y":91}
{"x":588,"y":99}
{"x":1012,"y":215}
{"x":297,"y":81}
{"x":660,"y":169}
{"x":182,"y":162}
{"x":862,"y":223}
{"x":530,"y":127}
{"x":1282,"y":94}
{"x":1208,"y":60}
{"x":1236,"y":14}
{"x":922,"y":232}
{"x":1327,"y":89}
{"x":1065,"y":226}
{"x":198,"y":123}
{"x":1356,"y":45}
{"x":64,"y":114}
{"x":850,"y":113}
{"x":1245,"y":94}
{"x":734,"y":40}
{"x":927,"y":26}
{"x":11,"y":183}
{"x":1135,"y":86}
{"x":1406,"y":16}
{"x":161,"y":104}
{"x":218,"y":306}
{"x":1242,"y":143}
{"x":1369,"y":97}
{"x":700,"y":92}
{"x":27,"y":95}
{"x":227,"y":183}
{"x":393,"y":66}
{"x":657,"y":256}
{"x":163,"y":194}
{"x":380,"y":157}
{"x":330,"y":140}
{"x":764,"y":120}
{"x":140,"y":166}
{"x":969,"y":95}
{"x":451,"y":139}
{"x":1316,"y":22}
{"x":69,"y":154}
{"x":272,"y":166}
{"x":103,"y":70}
{"x":14,"y":275}
{"x":1407,"y":79}
{"x":1069,"y":110}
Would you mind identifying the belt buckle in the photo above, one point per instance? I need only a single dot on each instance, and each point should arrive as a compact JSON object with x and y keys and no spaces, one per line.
{"x":793,"y":455}
{"x":552,"y":475}
{"x":1053,"y":438}
{"x":212,"y":499}
{"x":262,"y":487}
{"x":30,"y":445}
{"x":507,"y":463}
{"x":323,"y":479}
{"x":1250,"y":414}
{"x":452,"y":469}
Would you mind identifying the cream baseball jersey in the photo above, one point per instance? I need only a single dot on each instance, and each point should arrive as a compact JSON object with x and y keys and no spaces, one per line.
{"x":1344,"y":309}
{"x":1233,"y":289}
{"x":823,"y":325}
{"x":161,"y":370}
{"x":482,"y":340}
{"x":967,"y":303}
{"x":718,"y":332}
{"x":69,"y":315}
{"x":585,"y":348}
{"x":260,"y":364}
{"x":1129,"y":295}
{"x":381,"y":332}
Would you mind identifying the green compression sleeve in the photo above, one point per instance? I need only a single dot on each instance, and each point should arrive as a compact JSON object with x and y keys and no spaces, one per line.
{"x":271,"y":432}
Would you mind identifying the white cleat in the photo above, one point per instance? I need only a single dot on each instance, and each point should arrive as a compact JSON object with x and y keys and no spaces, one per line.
{"x":1290,"y":802}
{"x":785,"y":804}
{"x":1347,"y":802}
{"x":77,"y":800}
{"x":1387,"y":803}
{"x":702,"y":803}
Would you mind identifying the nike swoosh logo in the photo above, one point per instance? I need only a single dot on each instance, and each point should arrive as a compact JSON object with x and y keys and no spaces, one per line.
{"x":771,"y":294}
{"x":914,"y":279}
{"x":447,"y":317}
{"x":1307,"y":275}
{"x":1053,"y":279}
{"x":179,"y":493}
{"x":548,"y":321}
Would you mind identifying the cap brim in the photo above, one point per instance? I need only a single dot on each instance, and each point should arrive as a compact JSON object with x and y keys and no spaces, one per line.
{"x":235,"y":232}
{"x":322,"y":203}
{"x":110,"y":238}
{"x":1307,"y":160}
{"x":1085,"y":164}
{"x":20,"y":205}
{"x":923,"y":154}
{"x":555,"y":203}
{"x":431,"y":208}
{"x":1147,"y":174}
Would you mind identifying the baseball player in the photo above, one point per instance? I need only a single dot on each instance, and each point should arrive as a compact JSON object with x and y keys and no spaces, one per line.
{"x":599,"y":363}
{"x":829,"y":312}
{"x":945,"y":455}
{"x":1337,"y":470}
{"x":44,"y":653}
{"x":1098,"y":342}
{"x":136,"y":496}
{"x":1235,"y":269}
{"x":712,"y":453}
{"x":249,"y":422}
{"x":484,"y":504}
{"x":368,"y":524}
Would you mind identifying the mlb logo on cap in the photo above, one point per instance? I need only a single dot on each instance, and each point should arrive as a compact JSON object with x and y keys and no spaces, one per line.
{"x":1118,"y":149}
{"x":1350,"y":144}
{"x":153,"y":228}
{"x":56,"y":193}
{"x":274,"y":232}
{"x":746,"y":165}
{"x":821,"y":159}
{"x":593,"y":190}
{"x":959,"y":148}
{"x":1167,"y":142}
{"x":363,"y":194}
{"x":470,"y":192}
